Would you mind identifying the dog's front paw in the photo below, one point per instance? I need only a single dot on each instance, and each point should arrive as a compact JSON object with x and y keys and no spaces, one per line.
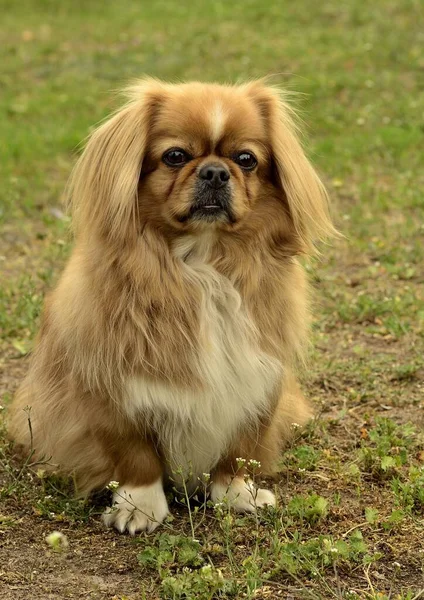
{"x":135,"y":509}
{"x":242,"y":496}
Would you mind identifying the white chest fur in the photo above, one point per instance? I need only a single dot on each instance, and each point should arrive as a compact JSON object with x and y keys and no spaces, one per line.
{"x":195,"y":428}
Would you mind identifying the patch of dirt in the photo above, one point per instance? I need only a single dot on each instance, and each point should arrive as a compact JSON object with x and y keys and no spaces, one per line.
{"x":97,"y":564}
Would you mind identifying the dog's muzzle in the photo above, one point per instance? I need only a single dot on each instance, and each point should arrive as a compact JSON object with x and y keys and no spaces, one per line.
{"x":212,"y":194}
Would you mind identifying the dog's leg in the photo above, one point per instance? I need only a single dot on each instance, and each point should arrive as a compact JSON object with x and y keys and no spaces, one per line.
{"x":241,"y":493}
{"x":232,"y":478}
{"x":259,"y":452}
{"x":139,"y":502}
{"x":232,"y":483}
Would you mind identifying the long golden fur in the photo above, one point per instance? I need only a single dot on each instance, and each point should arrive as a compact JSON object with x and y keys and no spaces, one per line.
{"x":170,"y":342}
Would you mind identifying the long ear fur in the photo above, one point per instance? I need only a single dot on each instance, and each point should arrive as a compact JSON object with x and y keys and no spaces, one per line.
{"x":102,"y":191}
{"x":305,"y":194}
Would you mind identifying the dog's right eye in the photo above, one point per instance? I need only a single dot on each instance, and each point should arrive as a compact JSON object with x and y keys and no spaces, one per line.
{"x":176,"y":157}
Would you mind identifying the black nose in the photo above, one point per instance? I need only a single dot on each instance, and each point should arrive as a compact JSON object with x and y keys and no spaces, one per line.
{"x":215,"y":175}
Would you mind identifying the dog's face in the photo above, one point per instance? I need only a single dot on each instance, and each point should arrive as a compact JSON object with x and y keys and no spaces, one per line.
{"x":207,"y":158}
{"x":192,"y":156}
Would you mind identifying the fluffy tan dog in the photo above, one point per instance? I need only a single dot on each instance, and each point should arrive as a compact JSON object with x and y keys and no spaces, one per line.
{"x":171,"y":340}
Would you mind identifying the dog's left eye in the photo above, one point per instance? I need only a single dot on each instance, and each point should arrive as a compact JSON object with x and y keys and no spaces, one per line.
{"x":176,"y":157}
{"x":246,"y":160}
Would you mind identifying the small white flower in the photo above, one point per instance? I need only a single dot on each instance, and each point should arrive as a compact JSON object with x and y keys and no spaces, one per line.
{"x":57,"y":541}
{"x":112,"y":486}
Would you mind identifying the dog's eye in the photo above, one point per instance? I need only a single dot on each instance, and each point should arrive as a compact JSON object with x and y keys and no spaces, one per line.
{"x":246,"y":160}
{"x":176,"y":157}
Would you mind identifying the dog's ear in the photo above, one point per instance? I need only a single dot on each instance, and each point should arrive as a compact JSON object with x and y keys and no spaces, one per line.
{"x":304,"y":193}
{"x":102,"y":191}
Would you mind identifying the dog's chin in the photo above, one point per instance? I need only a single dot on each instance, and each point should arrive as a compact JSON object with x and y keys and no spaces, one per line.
{"x":208,"y":213}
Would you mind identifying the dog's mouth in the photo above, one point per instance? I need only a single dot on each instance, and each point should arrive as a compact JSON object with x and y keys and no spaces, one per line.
{"x":209,"y":213}
{"x":210,"y":207}
{"x":211,"y":210}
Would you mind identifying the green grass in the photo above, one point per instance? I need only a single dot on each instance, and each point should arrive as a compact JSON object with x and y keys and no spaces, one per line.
{"x":350,"y":490}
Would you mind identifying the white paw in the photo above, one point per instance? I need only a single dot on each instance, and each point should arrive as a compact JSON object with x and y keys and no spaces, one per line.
{"x":243,"y":496}
{"x":134,"y":509}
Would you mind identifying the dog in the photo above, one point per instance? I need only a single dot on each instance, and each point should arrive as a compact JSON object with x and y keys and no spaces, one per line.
{"x":169,"y":348}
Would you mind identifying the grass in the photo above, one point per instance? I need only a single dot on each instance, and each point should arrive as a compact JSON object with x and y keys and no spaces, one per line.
{"x":349,"y":523}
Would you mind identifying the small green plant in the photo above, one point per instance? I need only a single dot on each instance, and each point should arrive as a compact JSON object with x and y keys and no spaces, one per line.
{"x":307,"y":509}
{"x":206,"y":583}
{"x":371,"y":515}
{"x":182,"y":567}
{"x":386,"y":447}
{"x":19,"y":312}
{"x":57,"y":501}
{"x":409,"y":494}
{"x":166,"y":550}
{"x":303,"y":458}
{"x":313,"y":556}
{"x":394,"y":520}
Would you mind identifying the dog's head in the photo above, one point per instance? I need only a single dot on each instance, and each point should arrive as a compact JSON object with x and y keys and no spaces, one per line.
{"x":192,"y":156}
